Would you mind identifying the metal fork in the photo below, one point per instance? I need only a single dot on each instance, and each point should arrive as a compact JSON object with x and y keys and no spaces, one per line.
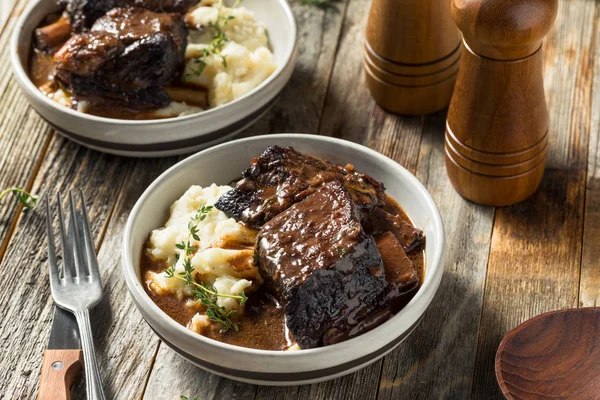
{"x":77,"y":288}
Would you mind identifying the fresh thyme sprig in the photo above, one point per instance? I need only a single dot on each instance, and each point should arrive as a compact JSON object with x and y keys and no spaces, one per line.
{"x":29,"y":200}
{"x":217,"y":44}
{"x":206,"y":294}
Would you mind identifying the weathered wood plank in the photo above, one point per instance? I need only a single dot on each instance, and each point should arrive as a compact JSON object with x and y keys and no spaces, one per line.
{"x":350,"y":112}
{"x":535,"y":251}
{"x":536,"y":245}
{"x":359,"y":385}
{"x":589,"y":295}
{"x":122,"y":326}
{"x":349,"y":106}
{"x":589,"y":292}
{"x":6,"y":9}
{"x":172,"y":376}
{"x":25,"y":294}
{"x":23,"y":138}
{"x":298,"y":110}
{"x":301,"y":102}
{"x":437,"y":360}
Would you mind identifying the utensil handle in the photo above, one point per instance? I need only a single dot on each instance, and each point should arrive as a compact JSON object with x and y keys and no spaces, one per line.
{"x":60,"y":368}
{"x":93,"y":383}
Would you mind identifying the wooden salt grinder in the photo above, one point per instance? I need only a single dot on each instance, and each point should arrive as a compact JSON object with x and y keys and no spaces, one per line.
{"x":497,"y":127}
{"x":411,"y":55}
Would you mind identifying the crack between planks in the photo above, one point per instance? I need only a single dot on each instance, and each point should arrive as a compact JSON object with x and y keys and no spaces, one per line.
{"x":111,"y":213}
{"x":379,"y":381}
{"x":127,"y":175}
{"x":147,"y":380}
{"x":330,"y":75}
{"x":593,"y":45}
{"x":423,"y":117}
{"x":485,"y":284}
{"x":28,"y":186}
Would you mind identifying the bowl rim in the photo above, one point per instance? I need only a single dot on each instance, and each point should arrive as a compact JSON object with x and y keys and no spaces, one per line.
{"x":434,"y":264}
{"x":27,"y":85}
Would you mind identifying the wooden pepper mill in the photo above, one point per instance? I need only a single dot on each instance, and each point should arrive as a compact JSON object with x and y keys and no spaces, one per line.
{"x":497,"y":127}
{"x":411,"y":55}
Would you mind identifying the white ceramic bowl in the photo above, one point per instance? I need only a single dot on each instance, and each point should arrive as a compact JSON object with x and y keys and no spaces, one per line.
{"x":224,"y":163}
{"x":163,"y":137}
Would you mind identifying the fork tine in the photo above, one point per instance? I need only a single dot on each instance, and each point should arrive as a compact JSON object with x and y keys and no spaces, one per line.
{"x":74,"y":235}
{"x":67,"y":247}
{"x":92,"y":260}
{"x":52,"y":264}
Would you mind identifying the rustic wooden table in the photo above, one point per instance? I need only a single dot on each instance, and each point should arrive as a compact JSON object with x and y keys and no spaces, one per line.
{"x":503,"y":265}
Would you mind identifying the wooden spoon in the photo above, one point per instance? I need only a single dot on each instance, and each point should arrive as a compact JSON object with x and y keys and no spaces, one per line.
{"x":552,"y":356}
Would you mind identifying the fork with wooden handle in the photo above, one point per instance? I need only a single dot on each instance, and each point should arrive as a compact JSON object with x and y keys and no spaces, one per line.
{"x":78,"y":288}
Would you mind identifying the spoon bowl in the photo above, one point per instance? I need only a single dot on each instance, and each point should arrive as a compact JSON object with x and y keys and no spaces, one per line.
{"x":555,"y":355}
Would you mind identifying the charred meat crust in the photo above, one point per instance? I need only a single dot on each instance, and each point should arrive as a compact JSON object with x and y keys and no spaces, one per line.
{"x":126,"y":59}
{"x":282,"y":176}
{"x":83,"y":13}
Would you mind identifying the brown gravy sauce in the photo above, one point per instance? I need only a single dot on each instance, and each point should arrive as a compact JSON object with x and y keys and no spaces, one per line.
{"x":262,"y":325}
{"x":42,"y":70}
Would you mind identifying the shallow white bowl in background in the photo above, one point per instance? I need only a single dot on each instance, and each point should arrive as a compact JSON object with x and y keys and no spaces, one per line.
{"x":224,"y":163}
{"x":151,"y":138}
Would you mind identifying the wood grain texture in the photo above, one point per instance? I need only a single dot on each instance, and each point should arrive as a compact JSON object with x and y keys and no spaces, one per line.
{"x":508,"y":30}
{"x":350,"y":112}
{"x":6,"y":9}
{"x":589,"y":290}
{"x":535,"y":254}
{"x":25,"y":293}
{"x":553,"y":355}
{"x":420,"y":38}
{"x":411,"y":31}
{"x":536,"y":248}
{"x":496,"y":136}
{"x":60,"y":368}
{"x":437,"y":360}
{"x":301,"y":102}
{"x":172,"y":377}
{"x":23,"y":139}
{"x":125,"y":344}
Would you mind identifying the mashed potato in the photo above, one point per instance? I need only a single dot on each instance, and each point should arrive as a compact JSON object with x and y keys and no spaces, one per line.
{"x":223,"y":257}
{"x":248,"y":59}
{"x":176,"y":109}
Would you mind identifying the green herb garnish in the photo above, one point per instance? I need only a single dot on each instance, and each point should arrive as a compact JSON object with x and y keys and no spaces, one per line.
{"x":216,"y":45}
{"x":29,"y":200}
{"x":206,"y":294}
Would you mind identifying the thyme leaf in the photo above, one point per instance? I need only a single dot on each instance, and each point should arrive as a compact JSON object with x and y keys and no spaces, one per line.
{"x":206,"y":294}
{"x":28,"y":200}
{"x":216,"y":45}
